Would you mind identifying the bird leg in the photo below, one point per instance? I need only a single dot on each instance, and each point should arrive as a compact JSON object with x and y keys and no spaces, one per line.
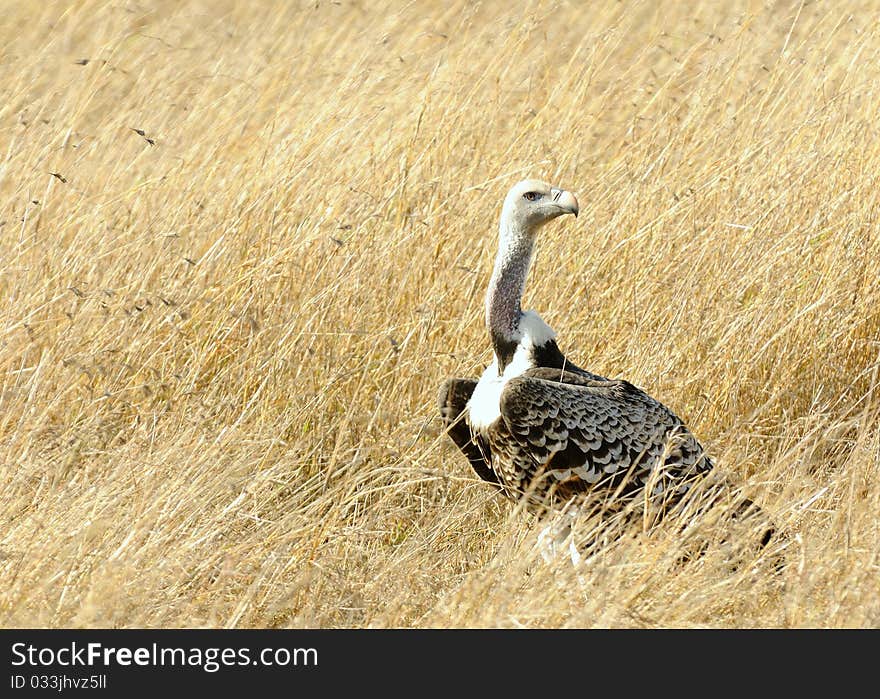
{"x":557,"y":538}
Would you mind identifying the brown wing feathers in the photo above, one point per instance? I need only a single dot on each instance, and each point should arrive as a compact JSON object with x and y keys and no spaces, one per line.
{"x":589,"y":433}
{"x":452,"y":401}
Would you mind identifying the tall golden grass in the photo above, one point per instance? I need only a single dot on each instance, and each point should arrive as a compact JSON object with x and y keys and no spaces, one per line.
{"x":226,"y":315}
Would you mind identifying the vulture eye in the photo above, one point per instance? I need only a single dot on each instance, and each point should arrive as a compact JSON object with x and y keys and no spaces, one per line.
{"x":531,"y":196}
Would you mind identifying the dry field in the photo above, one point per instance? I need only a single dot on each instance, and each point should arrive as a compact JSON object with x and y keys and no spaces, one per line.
{"x":242,"y":244}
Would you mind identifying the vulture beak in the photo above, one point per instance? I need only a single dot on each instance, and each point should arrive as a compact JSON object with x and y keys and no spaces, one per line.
{"x":565,"y":201}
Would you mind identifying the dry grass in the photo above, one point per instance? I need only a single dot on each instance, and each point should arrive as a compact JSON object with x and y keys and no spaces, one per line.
{"x":220,"y":350}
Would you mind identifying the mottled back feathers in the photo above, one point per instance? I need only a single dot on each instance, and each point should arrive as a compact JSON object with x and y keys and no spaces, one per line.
{"x":578,"y":433}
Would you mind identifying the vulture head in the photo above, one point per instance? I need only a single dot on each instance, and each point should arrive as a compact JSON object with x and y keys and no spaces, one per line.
{"x":531,"y":203}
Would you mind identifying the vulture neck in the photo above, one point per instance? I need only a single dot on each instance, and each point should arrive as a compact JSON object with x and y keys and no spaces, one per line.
{"x":503,"y":311}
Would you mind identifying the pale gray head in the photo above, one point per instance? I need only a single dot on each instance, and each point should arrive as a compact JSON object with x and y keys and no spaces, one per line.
{"x":532,"y":203}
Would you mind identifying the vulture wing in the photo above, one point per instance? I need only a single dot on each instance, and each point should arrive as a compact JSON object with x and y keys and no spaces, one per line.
{"x":581,"y":433}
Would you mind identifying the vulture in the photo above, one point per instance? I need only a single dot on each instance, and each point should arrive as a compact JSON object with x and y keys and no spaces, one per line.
{"x":539,"y":427}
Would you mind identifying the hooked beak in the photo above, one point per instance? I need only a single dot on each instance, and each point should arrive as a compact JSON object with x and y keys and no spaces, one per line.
{"x":565,"y":200}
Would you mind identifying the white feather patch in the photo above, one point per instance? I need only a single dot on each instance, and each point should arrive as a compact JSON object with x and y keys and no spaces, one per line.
{"x":534,"y":330}
{"x":484,"y":406}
